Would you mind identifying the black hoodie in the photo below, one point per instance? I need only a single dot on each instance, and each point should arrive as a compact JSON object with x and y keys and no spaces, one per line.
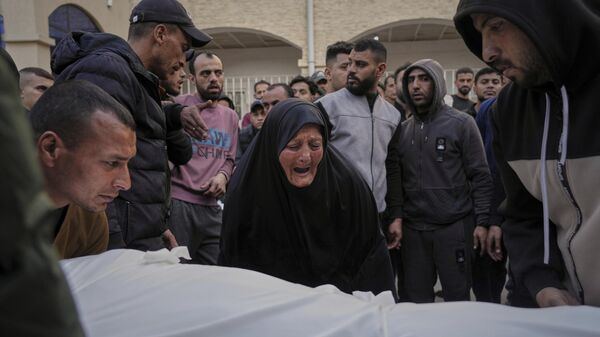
{"x":109,"y":62}
{"x":445,"y":176}
{"x":559,"y":248}
{"x":327,"y":232}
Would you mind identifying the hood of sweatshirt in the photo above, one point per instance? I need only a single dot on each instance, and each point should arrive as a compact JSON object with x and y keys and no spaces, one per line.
{"x":436,"y":72}
{"x":566,"y":32}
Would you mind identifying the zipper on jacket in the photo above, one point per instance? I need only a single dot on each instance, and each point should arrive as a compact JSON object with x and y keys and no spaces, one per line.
{"x":421,"y":156}
{"x":562,"y":175}
{"x":565,"y":184}
{"x":372,"y":149}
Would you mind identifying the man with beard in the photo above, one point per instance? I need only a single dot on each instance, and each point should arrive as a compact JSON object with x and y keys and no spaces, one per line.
{"x":336,"y":65}
{"x":399,"y":103}
{"x":160,"y":32}
{"x":545,"y":141}
{"x":446,"y":185}
{"x":463,"y":80}
{"x":196,"y":186}
{"x":488,"y":84}
{"x":365,"y":129}
{"x":171,"y":86}
{"x":489,"y":270}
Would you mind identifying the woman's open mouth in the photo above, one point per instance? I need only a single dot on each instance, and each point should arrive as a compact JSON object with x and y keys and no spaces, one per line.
{"x":301,"y":170}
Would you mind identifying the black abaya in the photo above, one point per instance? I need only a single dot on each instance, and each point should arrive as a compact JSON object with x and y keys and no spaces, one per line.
{"x":326,"y":233}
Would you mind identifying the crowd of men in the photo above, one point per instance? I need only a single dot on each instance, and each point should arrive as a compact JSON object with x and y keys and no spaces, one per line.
{"x":460,"y":184}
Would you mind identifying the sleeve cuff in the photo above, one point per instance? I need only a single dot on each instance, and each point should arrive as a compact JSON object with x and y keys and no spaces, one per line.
{"x":541,"y":278}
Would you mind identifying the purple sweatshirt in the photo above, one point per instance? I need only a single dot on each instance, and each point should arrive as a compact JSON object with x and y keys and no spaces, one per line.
{"x":211,"y":156}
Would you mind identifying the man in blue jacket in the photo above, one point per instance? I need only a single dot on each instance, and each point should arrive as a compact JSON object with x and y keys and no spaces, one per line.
{"x":160,"y":32}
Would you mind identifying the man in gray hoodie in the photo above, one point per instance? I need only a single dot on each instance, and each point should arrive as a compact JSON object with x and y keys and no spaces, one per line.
{"x":446,"y":186}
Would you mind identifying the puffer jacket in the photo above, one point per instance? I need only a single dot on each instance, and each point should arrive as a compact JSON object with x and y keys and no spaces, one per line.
{"x":106,"y":60}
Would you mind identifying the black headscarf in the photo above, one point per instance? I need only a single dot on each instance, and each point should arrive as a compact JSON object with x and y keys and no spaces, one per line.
{"x":327,"y":232}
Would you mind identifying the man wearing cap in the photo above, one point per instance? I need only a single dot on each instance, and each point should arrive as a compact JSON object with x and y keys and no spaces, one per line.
{"x":160,"y":32}
{"x":319,"y":78}
{"x":257,"y":118}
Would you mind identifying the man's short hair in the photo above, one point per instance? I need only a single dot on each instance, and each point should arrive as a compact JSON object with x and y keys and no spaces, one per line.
{"x":286,"y":88}
{"x":401,"y":68}
{"x":301,"y":79}
{"x":192,"y":59}
{"x":37,"y":72}
{"x":67,"y":108}
{"x":340,"y":47}
{"x":463,"y":70}
{"x":376,"y":47}
{"x":259,"y":83}
{"x":485,"y":71}
{"x":142,"y":29}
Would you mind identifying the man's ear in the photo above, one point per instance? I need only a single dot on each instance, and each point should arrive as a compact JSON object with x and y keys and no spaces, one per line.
{"x":381,"y":68}
{"x":160,"y":33}
{"x":327,"y":73}
{"x":50,"y":147}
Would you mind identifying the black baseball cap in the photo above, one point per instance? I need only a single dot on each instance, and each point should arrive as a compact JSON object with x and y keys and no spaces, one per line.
{"x":169,"y":11}
{"x":255,"y":105}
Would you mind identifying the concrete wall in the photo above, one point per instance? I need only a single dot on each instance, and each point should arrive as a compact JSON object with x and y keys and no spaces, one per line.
{"x":26,"y":25}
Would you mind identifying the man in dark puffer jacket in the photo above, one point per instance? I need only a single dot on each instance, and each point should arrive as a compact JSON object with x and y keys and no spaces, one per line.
{"x":160,"y":32}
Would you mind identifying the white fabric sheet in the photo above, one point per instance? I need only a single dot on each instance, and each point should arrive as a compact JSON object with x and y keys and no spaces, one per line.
{"x":118,"y":293}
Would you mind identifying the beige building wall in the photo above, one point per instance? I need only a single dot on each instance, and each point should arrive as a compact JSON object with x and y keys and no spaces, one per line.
{"x":26,"y":25}
{"x":28,"y":41}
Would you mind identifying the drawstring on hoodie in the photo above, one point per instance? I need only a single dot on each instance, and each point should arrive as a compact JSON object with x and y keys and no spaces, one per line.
{"x":563,"y":157}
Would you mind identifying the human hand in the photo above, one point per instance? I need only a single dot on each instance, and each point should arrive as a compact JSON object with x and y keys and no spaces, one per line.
{"x":192,"y":123}
{"x":216,"y":186}
{"x":479,"y":239}
{"x":395,"y":234}
{"x":494,"y":243}
{"x":553,"y":297}
{"x":169,"y":239}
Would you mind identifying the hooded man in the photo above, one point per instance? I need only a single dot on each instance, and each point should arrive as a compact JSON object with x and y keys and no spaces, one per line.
{"x":545,"y":140}
{"x":160,"y":32}
{"x":446,"y":186}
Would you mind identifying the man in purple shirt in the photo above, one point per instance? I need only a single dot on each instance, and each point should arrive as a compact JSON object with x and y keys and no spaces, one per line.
{"x":196,"y":186}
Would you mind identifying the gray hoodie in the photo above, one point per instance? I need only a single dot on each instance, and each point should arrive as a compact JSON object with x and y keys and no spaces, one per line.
{"x":445,"y":176}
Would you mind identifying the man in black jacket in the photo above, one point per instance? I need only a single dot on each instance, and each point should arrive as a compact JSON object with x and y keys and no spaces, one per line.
{"x":160,"y":32}
{"x":545,"y":140}
{"x":257,"y":118}
{"x":446,"y":185}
